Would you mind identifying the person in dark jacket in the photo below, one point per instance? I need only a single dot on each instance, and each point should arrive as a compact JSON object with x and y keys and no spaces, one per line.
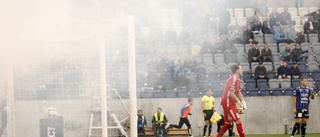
{"x":274,"y":17}
{"x":294,"y":71}
{"x":224,"y":20}
{"x":247,"y":36}
{"x":201,"y":72}
{"x":179,"y":82}
{"x":260,"y":72}
{"x":315,"y":14}
{"x":254,"y":53}
{"x":283,"y":71}
{"x":218,"y":47}
{"x":255,"y":25}
{"x":142,"y":122}
{"x":207,"y":47}
{"x":297,"y":54}
{"x":158,"y":82}
{"x":310,"y":27}
{"x":285,"y":17}
{"x":266,"y":54}
{"x":164,"y":64}
{"x":267,"y":26}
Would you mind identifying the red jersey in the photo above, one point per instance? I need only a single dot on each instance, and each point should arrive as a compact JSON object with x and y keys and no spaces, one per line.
{"x":233,"y":83}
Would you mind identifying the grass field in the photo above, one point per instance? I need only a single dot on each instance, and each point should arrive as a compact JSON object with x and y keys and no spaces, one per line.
{"x":308,"y":135}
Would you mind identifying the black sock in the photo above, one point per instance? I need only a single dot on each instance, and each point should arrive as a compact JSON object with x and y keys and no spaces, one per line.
{"x":303,"y":129}
{"x":295,"y":127}
{"x":210,"y":127}
{"x":205,"y":130}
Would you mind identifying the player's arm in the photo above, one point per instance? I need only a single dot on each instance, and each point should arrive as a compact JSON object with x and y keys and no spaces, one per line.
{"x":294,"y":104}
{"x":213,"y":106}
{"x":183,"y":108}
{"x":234,"y":97}
{"x":312,"y":93}
{"x":240,"y":96}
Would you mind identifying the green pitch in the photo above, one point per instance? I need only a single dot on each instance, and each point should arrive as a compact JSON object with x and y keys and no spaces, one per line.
{"x":288,"y":135}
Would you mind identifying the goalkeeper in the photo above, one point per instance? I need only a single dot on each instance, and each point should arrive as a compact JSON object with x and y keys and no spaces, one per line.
{"x":232,"y":102}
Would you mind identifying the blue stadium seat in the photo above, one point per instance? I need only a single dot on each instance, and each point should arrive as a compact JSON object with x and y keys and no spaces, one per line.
{"x":213,"y":77}
{"x":295,"y":83}
{"x":315,"y":74}
{"x":317,"y":84}
{"x":203,"y":86}
{"x":302,"y":66}
{"x":224,"y":76}
{"x":271,"y":74}
{"x":169,"y":85}
{"x":244,"y":92}
{"x":262,"y":83}
{"x":183,"y":93}
{"x":166,"y":76}
{"x":288,"y":92}
{"x":147,"y":93}
{"x":265,"y":92}
{"x":277,"y":92}
{"x":159,"y":94}
{"x":171,"y":94}
{"x":254,"y":92}
{"x":305,"y":73}
{"x":192,"y":85}
{"x":215,"y":86}
{"x":194,"y":93}
{"x":247,"y":75}
{"x":250,"y":84}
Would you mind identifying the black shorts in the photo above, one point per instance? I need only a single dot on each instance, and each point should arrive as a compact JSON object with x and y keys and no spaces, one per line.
{"x":302,"y":113}
{"x":209,"y":114}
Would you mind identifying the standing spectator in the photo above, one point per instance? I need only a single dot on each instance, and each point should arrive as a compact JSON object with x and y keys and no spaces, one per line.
{"x":184,"y":37}
{"x":254,"y":53}
{"x":164,"y":64}
{"x":285,"y":17}
{"x":294,"y":71}
{"x":292,"y":34}
{"x":190,"y":63}
{"x":207,"y":47}
{"x":266,"y":54}
{"x":143,"y":82}
{"x":281,"y":36}
{"x":201,"y":72}
{"x":141,"y":123}
{"x":159,"y":121}
{"x":247,"y":35}
{"x":158,"y":83}
{"x":260,"y":72}
{"x":310,"y":27}
{"x":224,"y":20}
{"x":255,"y":25}
{"x":267,"y":27}
{"x":182,"y":69}
{"x":261,"y":8}
{"x":171,"y":36}
{"x":153,"y":64}
{"x":218,"y":47}
{"x":180,"y":82}
{"x":315,"y":14}
{"x":211,"y":21}
{"x":286,"y":53}
{"x":274,"y":17}
{"x":283,"y":71}
{"x":298,"y":54}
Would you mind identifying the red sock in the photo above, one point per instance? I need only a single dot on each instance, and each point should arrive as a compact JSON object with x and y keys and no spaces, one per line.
{"x":223,"y":130}
{"x":240,"y":130}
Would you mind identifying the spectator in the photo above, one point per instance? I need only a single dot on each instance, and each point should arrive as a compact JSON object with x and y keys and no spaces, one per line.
{"x":267,"y":27}
{"x":179,"y":82}
{"x":184,"y":37}
{"x":294,"y":71}
{"x":315,"y":14}
{"x":228,"y":45}
{"x":182,"y":69}
{"x":190,"y":63}
{"x":218,"y":47}
{"x":201,"y":72}
{"x":286,"y":53}
{"x":247,"y":35}
{"x":207,"y":47}
{"x":235,"y":35}
{"x":261,"y":8}
{"x":142,"y":121}
{"x":255,"y":25}
{"x":158,"y":82}
{"x":159,"y":121}
{"x":164,"y":64}
{"x":281,"y":36}
{"x":274,"y":17}
{"x":171,"y":36}
{"x":298,"y":54}
{"x":292,"y":34}
{"x":285,"y":17}
{"x":310,"y":27}
{"x":176,"y":60}
{"x":260,"y":72}
{"x":153,"y":64}
{"x":224,"y":20}
{"x":211,"y":21}
{"x":266,"y":54}
{"x":254,"y":53}
{"x":143,"y":82}
{"x":283,"y":71}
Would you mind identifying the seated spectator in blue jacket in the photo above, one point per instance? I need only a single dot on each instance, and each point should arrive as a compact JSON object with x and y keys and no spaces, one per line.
{"x":260,"y":72}
{"x":182,"y":69}
{"x":283,"y":71}
{"x":281,"y":36}
{"x":298,"y":54}
{"x":142,"y":121}
{"x":201,"y":72}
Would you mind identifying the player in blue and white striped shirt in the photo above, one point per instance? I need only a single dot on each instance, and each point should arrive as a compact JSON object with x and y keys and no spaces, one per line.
{"x":301,"y":105}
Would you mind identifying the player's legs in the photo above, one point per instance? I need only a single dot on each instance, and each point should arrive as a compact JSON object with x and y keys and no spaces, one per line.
{"x":180,"y":123}
{"x":210,"y":128}
{"x":231,"y":130}
{"x":205,"y":127}
{"x":239,"y":128}
{"x":303,"y":127}
{"x":296,"y":126}
{"x":186,"y":121}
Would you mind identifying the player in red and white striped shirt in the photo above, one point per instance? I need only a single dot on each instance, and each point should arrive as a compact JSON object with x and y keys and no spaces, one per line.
{"x":231,"y":100}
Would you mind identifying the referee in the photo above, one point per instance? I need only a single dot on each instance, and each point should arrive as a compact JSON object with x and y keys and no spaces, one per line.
{"x":207,"y":105}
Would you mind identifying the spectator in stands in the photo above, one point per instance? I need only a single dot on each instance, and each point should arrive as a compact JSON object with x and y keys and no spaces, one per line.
{"x":158,"y":83}
{"x":310,"y":27}
{"x":286,"y":53}
{"x":261,"y":8}
{"x":201,"y":72}
{"x":159,"y":121}
{"x":255,"y":25}
{"x":254,"y":53}
{"x":176,"y":60}
{"x":235,"y":35}
{"x":153,"y":64}
{"x":266,"y":54}
{"x":281,"y":36}
{"x":190,"y":63}
{"x":315,"y":14}
{"x":224,"y":20}
{"x":298,"y":54}
{"x":164,"y":64}
{"x":144,"y":82}
{"x":294,"y":71}
{"x":292,"y":34}
{"x":180,"y":82}
{"x":184,"y":37}
{"x":228,"y":45}
{"x":142,"y":122}
{"x":211,"y":21}
{"x":260,"y":72}
{"x":274,"y":17}
{"x":182,"y":69}
{"x":218,"y":47}
{"x":283,"y":71}
{"x":171,"y":36}
{"x":267,"y":27}
{"x":247,"y":35}
{"x":285,"y":17}
{"x":207,"y":47}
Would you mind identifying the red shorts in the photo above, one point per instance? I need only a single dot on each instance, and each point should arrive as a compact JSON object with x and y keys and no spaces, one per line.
{"x":230,"y":114}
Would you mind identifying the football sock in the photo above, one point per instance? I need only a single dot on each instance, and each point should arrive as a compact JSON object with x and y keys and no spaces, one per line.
{"x":224,"y":128}
{"x":295,"y":127}
{"x":240,"y":130}
{"x":231,"y":130}
{"x":303,"y":129}
{"x":204,"y":130}
{"x":210,"y":127}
